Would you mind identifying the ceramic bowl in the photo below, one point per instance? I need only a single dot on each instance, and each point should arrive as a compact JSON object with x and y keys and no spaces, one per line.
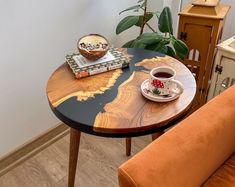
{"x":93,"y":46}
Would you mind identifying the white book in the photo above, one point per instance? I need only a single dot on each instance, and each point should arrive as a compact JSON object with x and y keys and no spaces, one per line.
{"x":83,"y":62}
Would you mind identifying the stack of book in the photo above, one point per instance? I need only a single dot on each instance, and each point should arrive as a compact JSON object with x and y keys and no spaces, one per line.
{"x":82,"y":67}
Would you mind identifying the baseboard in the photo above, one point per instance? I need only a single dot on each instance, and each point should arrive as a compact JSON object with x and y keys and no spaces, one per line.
{"x":19,"y":155}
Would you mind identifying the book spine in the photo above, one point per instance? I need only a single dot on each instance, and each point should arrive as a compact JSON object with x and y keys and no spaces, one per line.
{"x":101,"y":70}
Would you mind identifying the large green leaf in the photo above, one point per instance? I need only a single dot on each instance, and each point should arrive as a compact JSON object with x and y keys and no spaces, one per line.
{"x":126,"y":23}
{"x":180,"y":47}
{"x":130,"y":8}
{"x":150,"y":34}
{"x":163,"y":50}
{"x":139,"y":44}
{"x":141,"y":19}
{"x":129,"y":44}
{"x":160,"y":47}
{"x":151,"y":47}
{"x":171,"y":52}
{"x":165,"y":21}
{"x":181,"y":56}
{"x":150,"y":38}
{"x":149,"y":41}
{"x":134,"y":44}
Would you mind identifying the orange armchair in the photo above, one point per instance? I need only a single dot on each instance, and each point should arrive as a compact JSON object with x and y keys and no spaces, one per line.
{"x":198,"y":151}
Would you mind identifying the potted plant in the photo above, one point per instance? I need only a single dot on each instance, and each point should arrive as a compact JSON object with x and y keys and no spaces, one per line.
{"x":162,"y":41}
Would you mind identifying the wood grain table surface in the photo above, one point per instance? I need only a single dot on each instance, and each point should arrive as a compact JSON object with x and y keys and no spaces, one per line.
{"x":111,"y":104}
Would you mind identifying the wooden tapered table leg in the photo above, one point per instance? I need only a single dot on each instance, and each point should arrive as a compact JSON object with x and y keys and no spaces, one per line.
{"x":128,"y":146}
{"x":73,"y":155}
{"x":156,"y":135}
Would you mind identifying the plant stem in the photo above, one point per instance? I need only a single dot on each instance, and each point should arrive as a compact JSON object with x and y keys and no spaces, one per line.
{"x":151,"y":28}
{"x":144,"y":18}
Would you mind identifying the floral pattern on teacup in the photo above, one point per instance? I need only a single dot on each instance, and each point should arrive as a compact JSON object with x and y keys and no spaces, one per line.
{"x":157,"y":84}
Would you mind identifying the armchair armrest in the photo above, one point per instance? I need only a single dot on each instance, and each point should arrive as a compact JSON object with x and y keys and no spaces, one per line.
{"x":190,"y":152}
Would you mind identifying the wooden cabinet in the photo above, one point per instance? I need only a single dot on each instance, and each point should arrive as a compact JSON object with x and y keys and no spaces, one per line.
{"x":200,"y":27}
{"x":224,"y":68}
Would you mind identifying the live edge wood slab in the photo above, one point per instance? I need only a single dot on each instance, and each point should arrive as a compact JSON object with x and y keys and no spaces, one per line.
{"x":110,"y":104}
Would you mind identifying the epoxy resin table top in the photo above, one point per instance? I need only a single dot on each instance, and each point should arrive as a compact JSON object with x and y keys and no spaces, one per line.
{"x":111,"y":103}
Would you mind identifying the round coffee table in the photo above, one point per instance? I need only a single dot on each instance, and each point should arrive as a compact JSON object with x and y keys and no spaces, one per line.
{"x":111,"y":104}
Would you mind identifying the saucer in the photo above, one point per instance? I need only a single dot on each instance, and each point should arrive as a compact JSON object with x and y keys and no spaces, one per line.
{"x":157,"y":98}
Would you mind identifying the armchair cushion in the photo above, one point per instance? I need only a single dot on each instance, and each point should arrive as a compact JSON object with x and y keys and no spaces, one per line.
{"x":190,"y":152}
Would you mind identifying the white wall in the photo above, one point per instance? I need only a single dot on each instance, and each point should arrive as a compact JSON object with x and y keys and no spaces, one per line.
{"x":229,"y":28}
{"x":34,"y":38}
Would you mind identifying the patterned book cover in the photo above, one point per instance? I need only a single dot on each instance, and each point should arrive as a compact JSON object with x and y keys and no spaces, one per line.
{"x":81,"y":67}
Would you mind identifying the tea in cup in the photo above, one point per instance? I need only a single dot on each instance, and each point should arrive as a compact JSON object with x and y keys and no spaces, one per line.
{"x":162,"y":82}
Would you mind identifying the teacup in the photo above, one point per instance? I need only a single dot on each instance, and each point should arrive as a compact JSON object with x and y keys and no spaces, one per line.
{"x":162,"y":82}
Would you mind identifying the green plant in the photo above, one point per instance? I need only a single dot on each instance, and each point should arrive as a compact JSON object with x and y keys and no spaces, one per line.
{"x":162,"y":41}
